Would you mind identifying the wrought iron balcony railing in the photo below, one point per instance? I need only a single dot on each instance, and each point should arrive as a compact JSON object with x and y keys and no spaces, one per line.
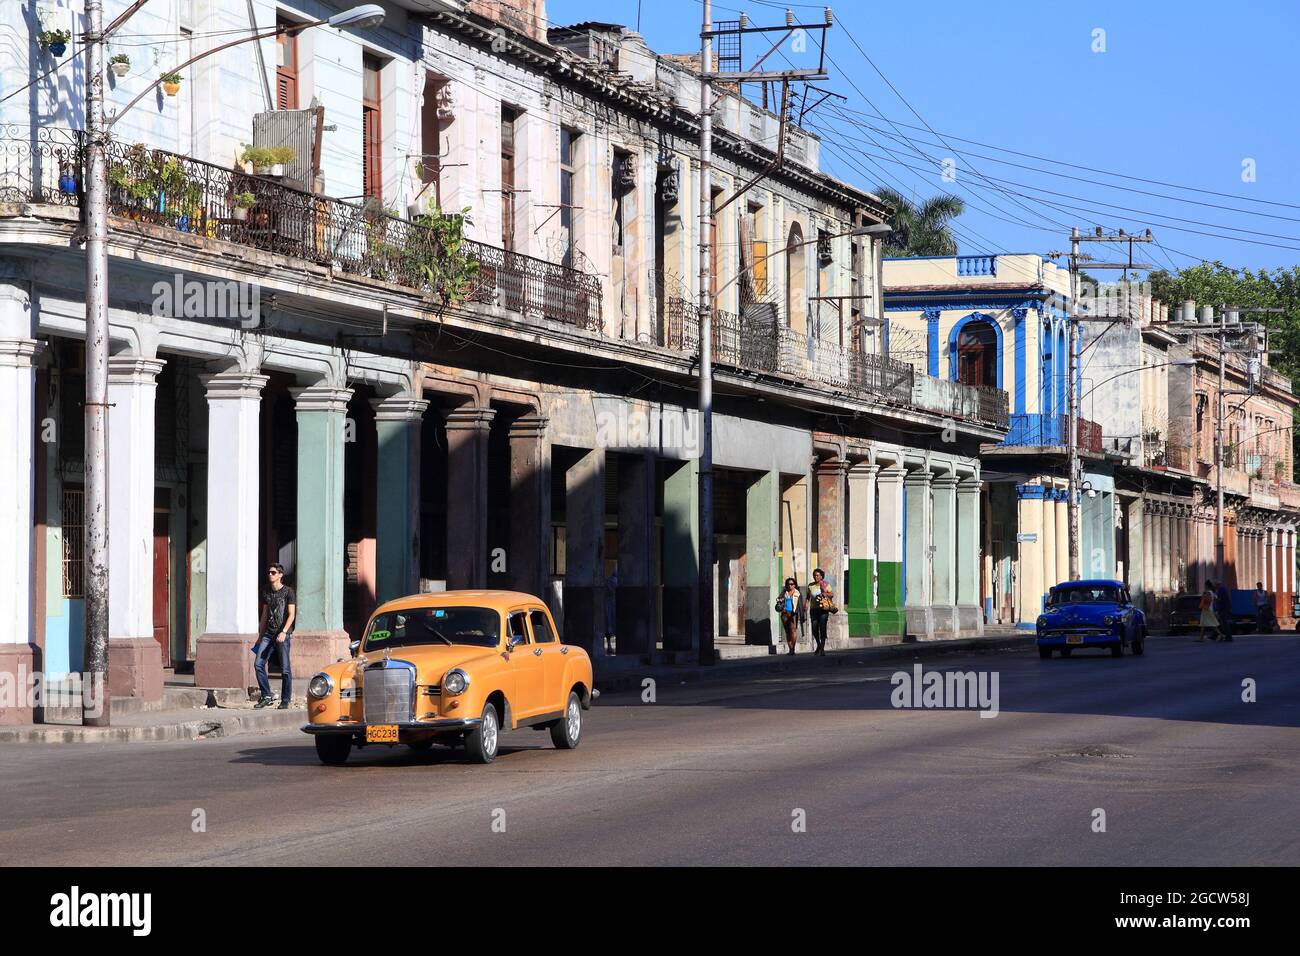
{"x":1035,"y":430}
{"x":44,"y":165}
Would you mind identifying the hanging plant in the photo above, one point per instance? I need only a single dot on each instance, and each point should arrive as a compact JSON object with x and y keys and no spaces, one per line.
{"x":120,"y":64}
{"x":171,"y":83}
{"x":56,"y":41}
{"x":243,"y":202}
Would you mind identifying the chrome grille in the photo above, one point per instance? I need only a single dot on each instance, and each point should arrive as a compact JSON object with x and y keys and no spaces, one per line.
{"x":388,"y":693}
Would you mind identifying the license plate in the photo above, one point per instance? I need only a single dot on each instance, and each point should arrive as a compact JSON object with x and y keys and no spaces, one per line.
{"x":381,"y":734}
{"x":1074,"y":639}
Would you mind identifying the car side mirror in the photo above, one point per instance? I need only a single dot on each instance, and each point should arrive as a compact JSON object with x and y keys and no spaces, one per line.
{"x":354,"y":647}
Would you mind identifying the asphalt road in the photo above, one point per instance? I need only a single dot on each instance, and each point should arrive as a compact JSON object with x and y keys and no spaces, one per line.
{"x":1186,"y":772}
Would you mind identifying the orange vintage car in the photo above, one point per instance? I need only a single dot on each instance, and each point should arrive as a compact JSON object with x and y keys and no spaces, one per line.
{"x":451,"y":667}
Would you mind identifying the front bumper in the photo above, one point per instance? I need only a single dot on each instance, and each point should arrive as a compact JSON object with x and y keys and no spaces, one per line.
{"x":1089,"y":640}
{"x":444,"y":725}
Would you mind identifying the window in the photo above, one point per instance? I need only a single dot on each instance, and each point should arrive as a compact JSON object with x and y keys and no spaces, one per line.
{"x":74,"y":542}
{"x":622,"y":180}
{"x":542,"y":633}
{"x":286,"y":67}
{"x":568,"y":189}
{"x":479,"y":626}
{"x":509,"y":119}
{"x":372,"y":135}
{"x":518,"y":625}
{"x":435,"y":113}
{"x":977,"y":354}
{"x":796,"y":287}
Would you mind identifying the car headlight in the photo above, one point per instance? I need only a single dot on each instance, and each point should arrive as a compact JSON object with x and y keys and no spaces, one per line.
{"x":454,"y":682}
{"x":320,"y":686}
{"x":1042,"y":623}
{"x":1113,"y":619}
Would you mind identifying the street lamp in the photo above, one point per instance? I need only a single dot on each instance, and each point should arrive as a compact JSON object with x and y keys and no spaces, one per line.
{"x":96,"y":200}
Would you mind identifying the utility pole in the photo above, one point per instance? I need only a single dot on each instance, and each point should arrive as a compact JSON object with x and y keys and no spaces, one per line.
{"x":731,"y":35}
{"x":96,"y":493}
{"x":707,"y":628}
{"x":1072,"y":384}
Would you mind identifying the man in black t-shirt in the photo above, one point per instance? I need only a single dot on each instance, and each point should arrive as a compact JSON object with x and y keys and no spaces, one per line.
{"x":279,"y":609}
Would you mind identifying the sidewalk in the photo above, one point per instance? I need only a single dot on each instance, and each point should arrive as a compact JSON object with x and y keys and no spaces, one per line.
{"x":189,"y":713}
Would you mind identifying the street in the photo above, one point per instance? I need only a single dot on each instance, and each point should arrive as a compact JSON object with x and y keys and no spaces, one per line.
{"x":1185,"y":771}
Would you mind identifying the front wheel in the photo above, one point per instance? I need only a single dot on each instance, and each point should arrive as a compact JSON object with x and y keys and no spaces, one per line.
{"x":481,"y":742}
{"x":566,"y":731}
{"x":333,"y":749}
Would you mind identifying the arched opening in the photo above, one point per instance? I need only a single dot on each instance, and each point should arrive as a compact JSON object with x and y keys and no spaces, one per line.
{"x":977,"y":354}
{"x":796,"y":280}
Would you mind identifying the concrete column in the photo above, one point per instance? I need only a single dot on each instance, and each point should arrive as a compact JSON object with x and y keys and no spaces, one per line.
{"x":19,"y":657}
{"x":1270,"y":577}
{"x":584,"y":552}
{"x":830,"y":539}
{"x":944,"y":565}
{"x":233,"y":563}
{"x":1057,"y":508}
{"x":762,"y":571}
{"x":920,"y":556}
{"x":467,"y":491}
{"x":1166,"y":543}
{"x":1030,"y":554}
{"x":970,"y":616}
{"x":859,"y":601}
{"x":890,"y":618}
{"x":1149,"y":576}
{"x":397,"y":506}
{"x":319,"y":638}
{"x":1133,"y":562}
{"x":681,"y":556}
{"x":529,"y":560}
{"x":636,"y":608}
{"x":1052,"y":572}
{"x":135,"y":659}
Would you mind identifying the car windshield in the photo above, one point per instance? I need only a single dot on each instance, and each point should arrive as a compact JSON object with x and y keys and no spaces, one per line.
{"x":1084,"y":594}
{"x":479,"y":626}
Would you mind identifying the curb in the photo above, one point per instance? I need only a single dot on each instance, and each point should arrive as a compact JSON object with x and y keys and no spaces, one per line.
{"x":228,"y":724}
{"x":630,"y":678}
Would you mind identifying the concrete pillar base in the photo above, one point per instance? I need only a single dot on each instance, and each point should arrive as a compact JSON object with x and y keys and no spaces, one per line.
{"x":970,"y":620}
{"x":135,"y":668}
{"x":17,"y":664}
{"x":312,"y":651}
{"x":634,"y":606}
{"x":946,"y":623}
{"x":225,"y":660}
{"x":919,"y":622}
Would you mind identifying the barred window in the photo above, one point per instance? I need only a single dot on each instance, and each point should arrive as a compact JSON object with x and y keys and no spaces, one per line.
{"x":74,"y":542}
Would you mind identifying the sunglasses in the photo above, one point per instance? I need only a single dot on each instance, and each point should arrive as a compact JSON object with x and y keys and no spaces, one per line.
{"x":273,"y":571}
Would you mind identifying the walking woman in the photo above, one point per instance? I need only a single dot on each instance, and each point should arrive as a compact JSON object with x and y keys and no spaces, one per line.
{"x":821,"y":601}
{"x":1208,"y":619}
{"x":792,"y":609}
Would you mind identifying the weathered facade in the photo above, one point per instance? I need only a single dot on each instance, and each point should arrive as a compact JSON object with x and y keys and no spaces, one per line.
{"x":384,"y":396}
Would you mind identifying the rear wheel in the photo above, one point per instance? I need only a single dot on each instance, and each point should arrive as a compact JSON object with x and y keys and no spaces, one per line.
{"x":481,"y":742}
{"x":333,"y":749}
{"x":1045,"y":653}
{"x":566,"y":731}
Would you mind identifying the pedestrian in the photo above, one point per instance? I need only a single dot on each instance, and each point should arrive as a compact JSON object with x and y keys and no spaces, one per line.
{"x":279,"y":610}
{"x":1207,"y":612}
{"x":821,"y":605}
{"x":1263,"y":611}
{"x":790,"y":605}
{"x":1225,"y":611}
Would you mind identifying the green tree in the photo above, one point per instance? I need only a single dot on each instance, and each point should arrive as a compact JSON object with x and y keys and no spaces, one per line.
{"x":923,"y":229}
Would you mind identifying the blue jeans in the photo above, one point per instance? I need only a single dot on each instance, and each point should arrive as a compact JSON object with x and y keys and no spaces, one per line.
{"x":265,"y":646}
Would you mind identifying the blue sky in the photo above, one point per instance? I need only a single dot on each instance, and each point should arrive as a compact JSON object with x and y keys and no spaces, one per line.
{"x":1184,"y":93}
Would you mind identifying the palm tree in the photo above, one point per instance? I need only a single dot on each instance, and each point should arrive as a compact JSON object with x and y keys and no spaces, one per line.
{"x":921,"y":230}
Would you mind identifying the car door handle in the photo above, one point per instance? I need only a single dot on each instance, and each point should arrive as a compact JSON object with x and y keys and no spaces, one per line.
{"x":537,"y":652}
{"x":564,"y":650}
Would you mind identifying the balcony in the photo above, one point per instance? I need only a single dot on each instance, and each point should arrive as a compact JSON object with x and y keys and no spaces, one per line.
{"x":761,"y":342}
{"x":428,"y":255}
{"x":1050,"y":431}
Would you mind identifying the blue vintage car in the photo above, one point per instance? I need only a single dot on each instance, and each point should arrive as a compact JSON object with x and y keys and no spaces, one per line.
{"x":1093,"y":613}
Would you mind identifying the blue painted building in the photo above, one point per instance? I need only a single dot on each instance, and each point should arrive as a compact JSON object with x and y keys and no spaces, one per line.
{"x":1001,"y":321}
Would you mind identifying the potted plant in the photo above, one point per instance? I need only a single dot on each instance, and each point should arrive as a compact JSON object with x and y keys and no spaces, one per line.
{"x":56,"y":41}
{"x":171,"y":82}
{"x":120,"y":64}
{"x":67,"y":179}
{"x":281,"y":156}
{"x":242,"y":202}
{"x":258,"y":157}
